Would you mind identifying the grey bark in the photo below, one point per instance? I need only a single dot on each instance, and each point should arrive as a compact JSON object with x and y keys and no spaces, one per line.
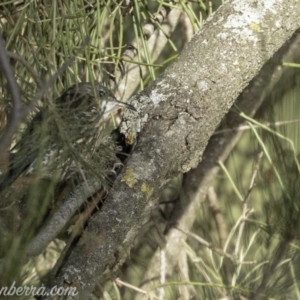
{"x":177,"y":115}
{"x":272,"y":81}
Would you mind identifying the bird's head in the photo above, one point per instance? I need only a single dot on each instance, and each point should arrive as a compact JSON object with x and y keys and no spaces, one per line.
{"x":91,"y":97}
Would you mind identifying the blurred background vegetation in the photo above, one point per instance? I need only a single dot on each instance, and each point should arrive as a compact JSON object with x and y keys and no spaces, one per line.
{"x":245,"y":240}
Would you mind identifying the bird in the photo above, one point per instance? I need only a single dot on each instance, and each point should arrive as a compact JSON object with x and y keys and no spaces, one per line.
{"x":64,"y":136}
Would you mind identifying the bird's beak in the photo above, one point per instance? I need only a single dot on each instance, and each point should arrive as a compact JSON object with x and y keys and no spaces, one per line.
{"x":126,"y":105}
{"x":113,"y":104}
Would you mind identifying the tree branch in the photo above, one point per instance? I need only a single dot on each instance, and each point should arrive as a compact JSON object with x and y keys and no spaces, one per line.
{"x":197,"y":181}
{"x":19,"y":111}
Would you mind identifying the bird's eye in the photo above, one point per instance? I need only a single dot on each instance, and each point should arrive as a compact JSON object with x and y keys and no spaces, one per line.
{"x":101,"y":93}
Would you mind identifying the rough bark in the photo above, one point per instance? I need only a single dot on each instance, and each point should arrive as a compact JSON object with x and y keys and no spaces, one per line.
{"x":272,"y":80}
{"x":177,"y":115}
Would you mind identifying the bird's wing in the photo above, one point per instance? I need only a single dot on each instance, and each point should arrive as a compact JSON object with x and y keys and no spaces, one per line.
{"x":24,"y":152}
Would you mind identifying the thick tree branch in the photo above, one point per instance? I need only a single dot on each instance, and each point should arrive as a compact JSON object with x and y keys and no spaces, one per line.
{"x":197,"y":181}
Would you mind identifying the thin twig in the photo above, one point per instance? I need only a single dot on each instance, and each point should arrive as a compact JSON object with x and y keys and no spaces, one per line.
{"x":246,"y":212}
{"x":247,"y":127}
{"x":119,"y":282}
{"x":208,"y":245}
{"x":19,"y":111}
{"x":218,"y":216}
{"x":29,"y":68}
